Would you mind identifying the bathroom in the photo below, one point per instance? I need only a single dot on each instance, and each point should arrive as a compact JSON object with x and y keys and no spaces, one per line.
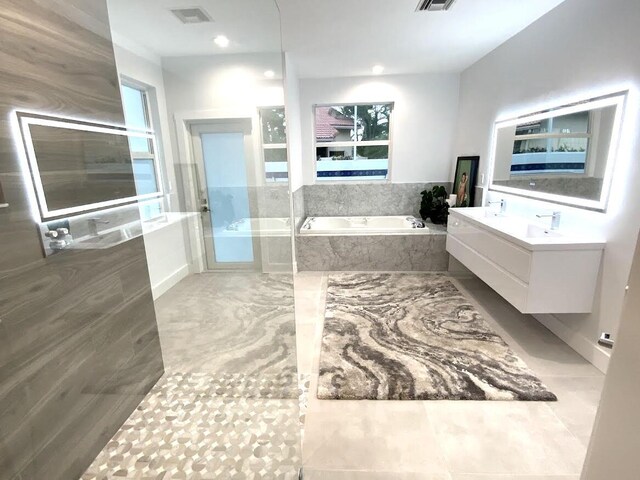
{"x":227,"y":253}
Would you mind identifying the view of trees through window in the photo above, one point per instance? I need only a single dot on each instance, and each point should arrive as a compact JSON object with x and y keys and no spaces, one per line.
{"x":274,"y":144}
{"x":352,"y":141}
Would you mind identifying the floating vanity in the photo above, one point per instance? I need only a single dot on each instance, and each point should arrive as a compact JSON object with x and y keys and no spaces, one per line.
{"x":536,"y":269}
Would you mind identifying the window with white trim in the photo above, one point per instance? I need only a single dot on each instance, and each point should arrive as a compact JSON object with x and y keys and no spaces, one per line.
{"x":274,"y":144}
{"x":143,"y":153}
{"x":352,"y":141}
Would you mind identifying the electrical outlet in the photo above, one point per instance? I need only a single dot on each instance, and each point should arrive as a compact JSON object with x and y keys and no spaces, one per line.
{"x":606,"y":340}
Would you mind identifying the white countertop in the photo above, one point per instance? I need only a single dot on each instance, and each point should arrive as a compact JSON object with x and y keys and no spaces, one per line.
{"x":531,"y":235}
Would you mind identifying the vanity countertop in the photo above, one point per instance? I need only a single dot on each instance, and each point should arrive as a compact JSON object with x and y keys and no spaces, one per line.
{"x":530,"y":235}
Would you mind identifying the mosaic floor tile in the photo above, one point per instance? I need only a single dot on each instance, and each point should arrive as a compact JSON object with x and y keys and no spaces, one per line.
{"x":193,"y":426}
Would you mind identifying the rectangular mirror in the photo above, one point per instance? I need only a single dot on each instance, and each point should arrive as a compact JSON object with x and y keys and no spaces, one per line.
{"x":77,"y":167}
{"x":564,"y":155}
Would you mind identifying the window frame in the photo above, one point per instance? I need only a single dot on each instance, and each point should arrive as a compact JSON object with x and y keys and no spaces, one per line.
{"x":353,"y":143}
{"x":273,"y":146}
{"x":155,"y":153}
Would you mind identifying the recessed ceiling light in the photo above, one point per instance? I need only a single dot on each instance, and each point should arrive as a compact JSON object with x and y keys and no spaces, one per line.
{"x":221,"y":41}
{"x":269,"y":74}
{"x":377,"y":69}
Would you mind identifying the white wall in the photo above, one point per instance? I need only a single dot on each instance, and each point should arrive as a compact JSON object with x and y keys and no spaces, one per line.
{"x":294,"y":127}
{"x":220,"y":83}
{"x":614,"y":446}
{"x":423,"y":122}
{"x":581,"y":48}
{"x":164,"y":270}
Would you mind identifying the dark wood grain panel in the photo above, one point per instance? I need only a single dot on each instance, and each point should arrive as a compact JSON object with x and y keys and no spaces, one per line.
{"x":79,"y":343}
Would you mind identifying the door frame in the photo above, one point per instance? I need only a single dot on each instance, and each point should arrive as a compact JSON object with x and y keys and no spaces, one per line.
{"x":183,"y":121}
{"x":226,"y":125}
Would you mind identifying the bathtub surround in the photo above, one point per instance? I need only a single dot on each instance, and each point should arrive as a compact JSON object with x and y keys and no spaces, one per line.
{"x":79,"y":345}
{"x":414,"y":337}
{"x":357,"y":253}
{"x":355,"y":199}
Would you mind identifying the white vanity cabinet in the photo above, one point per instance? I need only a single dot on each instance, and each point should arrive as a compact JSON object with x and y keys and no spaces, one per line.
{"x":535,"y":269}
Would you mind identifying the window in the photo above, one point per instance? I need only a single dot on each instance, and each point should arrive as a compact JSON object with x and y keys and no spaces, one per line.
{"x":143,"y":153}
{"x":352,"y":141}
{"x":274,"y":144}
{"x":552,"y":145}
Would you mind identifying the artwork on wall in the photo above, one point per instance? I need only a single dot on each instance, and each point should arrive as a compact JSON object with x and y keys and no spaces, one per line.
{"x":464,"y":181}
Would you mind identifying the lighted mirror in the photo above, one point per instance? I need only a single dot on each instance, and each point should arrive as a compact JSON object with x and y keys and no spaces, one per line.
{"x":564,"y":155}
{"x":77,"y":166}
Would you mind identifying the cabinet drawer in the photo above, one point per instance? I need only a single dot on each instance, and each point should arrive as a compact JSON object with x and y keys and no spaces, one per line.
{"x":508,"y":256}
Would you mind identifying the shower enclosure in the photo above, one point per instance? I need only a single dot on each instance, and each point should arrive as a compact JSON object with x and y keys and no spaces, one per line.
{"x":146,"y":291}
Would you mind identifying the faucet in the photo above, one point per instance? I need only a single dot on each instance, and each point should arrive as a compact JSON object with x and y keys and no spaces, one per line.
{"x":503,"y":204}
{"x":93,"y":225}
{"x":415,"y":222}
{"x":555,"y":220}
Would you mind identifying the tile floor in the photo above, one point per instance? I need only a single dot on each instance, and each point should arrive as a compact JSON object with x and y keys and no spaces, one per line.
{"x":451,"y":440}
{"x":207,"y":419}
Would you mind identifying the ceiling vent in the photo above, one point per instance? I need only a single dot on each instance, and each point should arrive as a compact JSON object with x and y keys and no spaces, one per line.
{"x":192,"y":15}
{"x":434,"y":5}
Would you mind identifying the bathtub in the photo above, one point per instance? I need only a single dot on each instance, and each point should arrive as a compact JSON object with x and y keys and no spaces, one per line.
{"x":389,"y":225}
{"x":389,"y":243}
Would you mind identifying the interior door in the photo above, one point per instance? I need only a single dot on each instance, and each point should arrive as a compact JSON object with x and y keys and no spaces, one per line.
{"x":223,"y":152}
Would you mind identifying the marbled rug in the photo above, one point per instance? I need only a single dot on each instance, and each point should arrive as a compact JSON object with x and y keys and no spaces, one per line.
{"x":414,"y":337}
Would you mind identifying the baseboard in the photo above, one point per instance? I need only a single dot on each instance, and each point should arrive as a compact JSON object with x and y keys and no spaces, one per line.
{"x":166,"y":283}
{"x":589,"y":350}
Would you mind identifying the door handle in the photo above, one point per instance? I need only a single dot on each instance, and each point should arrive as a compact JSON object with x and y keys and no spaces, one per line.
{"x":205,"y":209}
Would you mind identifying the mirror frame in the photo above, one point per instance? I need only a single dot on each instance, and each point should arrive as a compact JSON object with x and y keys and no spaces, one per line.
{"x":616,"y":99}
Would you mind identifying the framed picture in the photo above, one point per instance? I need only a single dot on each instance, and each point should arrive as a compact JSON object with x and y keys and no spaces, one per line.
{"x":464,"y":181}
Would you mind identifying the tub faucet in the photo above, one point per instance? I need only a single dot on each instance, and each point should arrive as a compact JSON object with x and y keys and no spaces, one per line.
{"x":503,"y":204}
{"x":555,"y":219}
{"x":93,"y":225}
{"x":415,"y":223}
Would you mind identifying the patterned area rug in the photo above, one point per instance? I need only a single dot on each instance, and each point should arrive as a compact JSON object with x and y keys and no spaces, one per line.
{"x":414,"y":337}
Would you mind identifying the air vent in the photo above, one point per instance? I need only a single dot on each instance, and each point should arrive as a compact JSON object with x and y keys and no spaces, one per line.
{"x":192,"y":15}
{"x":434,"y":5}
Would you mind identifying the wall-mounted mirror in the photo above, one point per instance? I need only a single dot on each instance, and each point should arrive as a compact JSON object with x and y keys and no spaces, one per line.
{"x":78,"y":166}
{"x":564,"y":155}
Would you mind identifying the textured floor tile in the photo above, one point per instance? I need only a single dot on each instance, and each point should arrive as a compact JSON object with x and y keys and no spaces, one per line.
{"x":504,"y":438}
{"x":180,"y":432}
{"x":370,"y":435}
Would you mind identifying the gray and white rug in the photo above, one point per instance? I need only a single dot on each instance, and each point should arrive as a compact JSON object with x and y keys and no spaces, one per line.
{"x":414,"y":337}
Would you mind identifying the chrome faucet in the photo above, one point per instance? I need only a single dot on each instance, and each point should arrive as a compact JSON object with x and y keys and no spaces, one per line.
{"x":415,"y":222}
{"x":555,"y":219}
{"x":93,"y":225}
{"x":503,"y":204}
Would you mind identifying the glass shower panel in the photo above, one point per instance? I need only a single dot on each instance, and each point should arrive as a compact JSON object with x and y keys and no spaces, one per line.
{"x":227,"y":191}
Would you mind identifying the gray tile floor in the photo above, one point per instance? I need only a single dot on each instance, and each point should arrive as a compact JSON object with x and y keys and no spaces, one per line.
{"x":451,"y":440}
{"x":211,"y":417}
{"x":228,"y":405}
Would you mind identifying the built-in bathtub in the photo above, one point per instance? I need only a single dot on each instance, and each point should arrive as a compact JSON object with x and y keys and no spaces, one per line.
{"x":371,"y":243}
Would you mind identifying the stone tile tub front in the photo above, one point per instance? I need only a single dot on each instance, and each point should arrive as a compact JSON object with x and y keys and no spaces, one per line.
{"x":388,"y":243}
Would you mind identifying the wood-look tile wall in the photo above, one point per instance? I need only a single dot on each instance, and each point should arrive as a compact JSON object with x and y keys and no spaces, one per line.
{"x":79,"y":343}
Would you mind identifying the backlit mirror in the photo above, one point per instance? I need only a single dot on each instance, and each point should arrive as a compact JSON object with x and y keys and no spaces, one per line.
{"x":564,"y":155}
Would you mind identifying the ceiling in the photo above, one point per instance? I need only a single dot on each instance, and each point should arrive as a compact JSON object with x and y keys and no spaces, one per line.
{"x":332,"y":38}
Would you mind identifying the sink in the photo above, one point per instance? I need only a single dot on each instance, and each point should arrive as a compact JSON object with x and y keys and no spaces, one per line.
{"x":107,"y":239}
{"x":536,"y":231}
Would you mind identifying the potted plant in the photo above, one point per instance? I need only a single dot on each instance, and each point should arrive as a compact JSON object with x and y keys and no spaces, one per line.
{"x":434,"y":205}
